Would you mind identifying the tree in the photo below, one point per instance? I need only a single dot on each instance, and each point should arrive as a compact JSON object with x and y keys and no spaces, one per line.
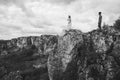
{"x":117,"y":24}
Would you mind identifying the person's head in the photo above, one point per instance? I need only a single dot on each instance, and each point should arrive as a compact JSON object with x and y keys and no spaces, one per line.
{"x":99,"y":13}
{"x":69,"y":16}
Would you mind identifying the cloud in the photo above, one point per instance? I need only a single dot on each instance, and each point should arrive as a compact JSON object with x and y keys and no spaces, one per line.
{"x":17,"y":3}
{"x":61,"y":1}
{"x":36,"y":17}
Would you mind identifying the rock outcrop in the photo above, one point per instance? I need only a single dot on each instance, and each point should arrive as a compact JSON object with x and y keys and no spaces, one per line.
{"x":63,"y":54}
{"x":28,"y":55}
{"x":86,"y":56}
{"x":74,"y":56}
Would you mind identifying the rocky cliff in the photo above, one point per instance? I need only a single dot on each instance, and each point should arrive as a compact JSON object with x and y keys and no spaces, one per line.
{"x":74,"y":56}
{"x":25,"y":58}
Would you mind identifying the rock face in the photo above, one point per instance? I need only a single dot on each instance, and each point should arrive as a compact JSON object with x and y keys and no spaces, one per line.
{"x":86,"y":56}
{"x":25,"y":57}
{"x":74,"y":56}
{"x":64,"y":53}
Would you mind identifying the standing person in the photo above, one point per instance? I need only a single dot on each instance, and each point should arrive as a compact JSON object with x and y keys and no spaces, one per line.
{"x":100,"y":20}
{"x":69,"y":22}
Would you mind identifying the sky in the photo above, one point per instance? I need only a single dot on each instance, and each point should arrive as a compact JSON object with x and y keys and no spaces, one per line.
{"x":36,"y":17}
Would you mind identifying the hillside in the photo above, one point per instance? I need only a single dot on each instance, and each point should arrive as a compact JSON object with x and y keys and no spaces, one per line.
{"x":74,"y":56}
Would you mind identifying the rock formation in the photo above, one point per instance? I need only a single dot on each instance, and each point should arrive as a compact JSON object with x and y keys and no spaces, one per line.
{"x":74,"y":56}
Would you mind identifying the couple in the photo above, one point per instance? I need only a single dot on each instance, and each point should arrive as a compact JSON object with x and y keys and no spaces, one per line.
{"x":99,"y":21}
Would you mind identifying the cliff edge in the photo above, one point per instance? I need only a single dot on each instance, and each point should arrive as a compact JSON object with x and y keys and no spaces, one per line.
{"x":73,"y":56}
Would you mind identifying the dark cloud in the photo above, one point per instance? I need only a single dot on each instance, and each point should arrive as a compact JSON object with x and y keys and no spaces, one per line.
{"x":21,"y":2}
{"x":6,"y":2}
{"x":9,"y":2}
{"x":61,"y":1}
{"x":41,"y":25}
{"x":18,"y":3}
{"x":13,"y":27}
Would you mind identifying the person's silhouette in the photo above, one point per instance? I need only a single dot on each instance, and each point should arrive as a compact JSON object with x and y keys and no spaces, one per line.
{"x":100,"y":20}
{"x":69,"y":22}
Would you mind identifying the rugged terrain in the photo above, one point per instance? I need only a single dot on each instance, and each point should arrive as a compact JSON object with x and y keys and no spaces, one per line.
{"x":74,"y":56}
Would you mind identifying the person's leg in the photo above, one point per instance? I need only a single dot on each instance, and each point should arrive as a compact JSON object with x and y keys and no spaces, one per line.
{"x":99,"y":25}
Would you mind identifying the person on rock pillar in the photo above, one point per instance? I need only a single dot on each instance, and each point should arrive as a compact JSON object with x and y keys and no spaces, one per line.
{"x":100,"y":20}
{"x":69,"y":22}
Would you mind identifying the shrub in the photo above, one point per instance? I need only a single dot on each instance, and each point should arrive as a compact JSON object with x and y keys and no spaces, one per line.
{"x":117,"y":24}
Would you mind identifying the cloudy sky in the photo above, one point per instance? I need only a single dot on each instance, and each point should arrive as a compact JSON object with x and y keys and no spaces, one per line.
{"x":36,"y":17}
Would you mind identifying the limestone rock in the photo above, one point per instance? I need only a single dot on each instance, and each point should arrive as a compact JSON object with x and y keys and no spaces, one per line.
{"x":63,"y":54}
{"x":73,"y":56}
